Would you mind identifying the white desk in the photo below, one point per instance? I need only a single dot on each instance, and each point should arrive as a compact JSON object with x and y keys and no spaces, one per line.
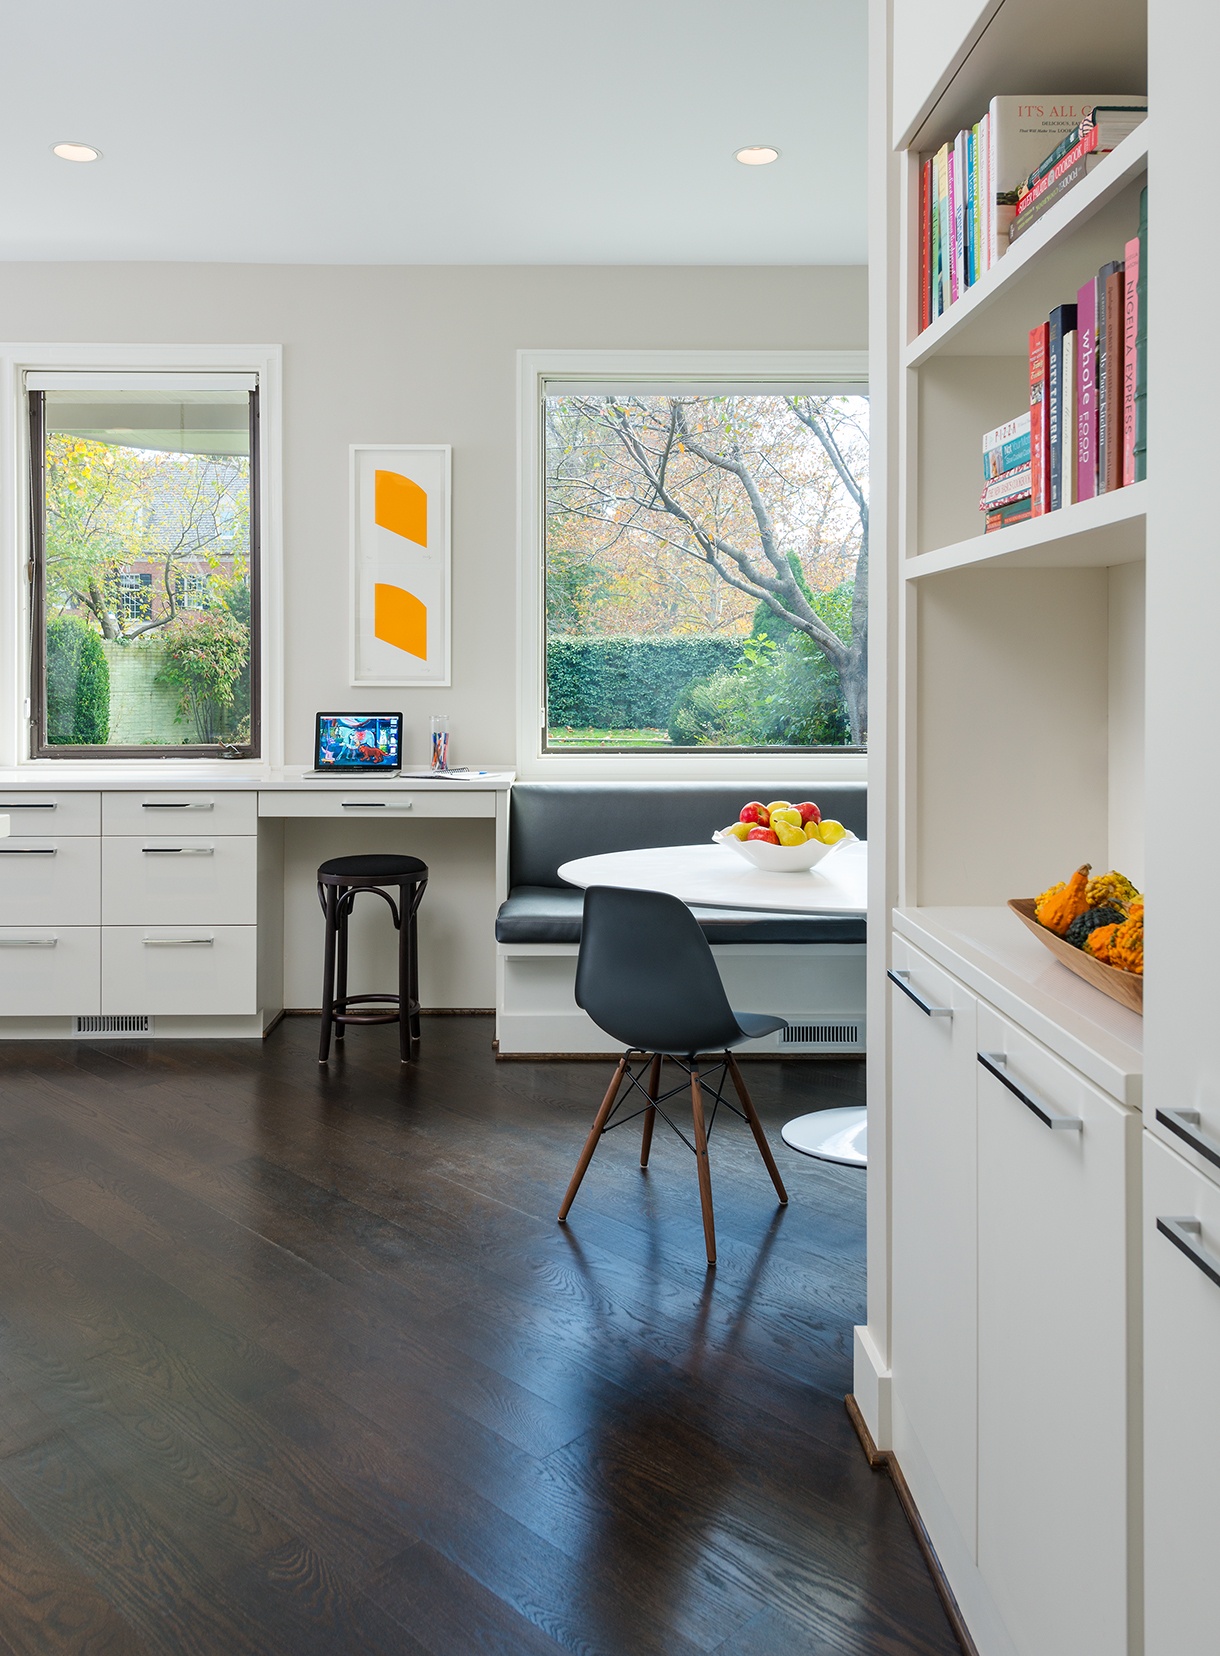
{"x":713,"y":876}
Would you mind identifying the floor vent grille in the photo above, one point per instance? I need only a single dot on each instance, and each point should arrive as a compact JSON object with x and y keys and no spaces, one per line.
{"x":114,"y":1023}
{"x":820,"y":1034}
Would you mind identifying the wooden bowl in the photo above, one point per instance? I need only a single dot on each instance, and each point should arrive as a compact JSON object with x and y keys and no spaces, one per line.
{"x":1127,"y":988}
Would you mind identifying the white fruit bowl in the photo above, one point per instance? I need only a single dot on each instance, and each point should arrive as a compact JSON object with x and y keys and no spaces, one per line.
{"x":782,"y":859}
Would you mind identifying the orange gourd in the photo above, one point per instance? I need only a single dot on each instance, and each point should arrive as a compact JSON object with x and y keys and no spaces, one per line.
{"x":1062,"y":903}
{"x":1098,"y":942}
{"x":1127,"y":945}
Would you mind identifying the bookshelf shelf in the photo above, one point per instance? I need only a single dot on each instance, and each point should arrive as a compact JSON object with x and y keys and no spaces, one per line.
{"x":1076,"y":234}
{"x":1092,"y":534}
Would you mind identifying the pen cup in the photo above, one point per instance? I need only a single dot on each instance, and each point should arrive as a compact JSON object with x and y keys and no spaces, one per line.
{"x":439,"y":758}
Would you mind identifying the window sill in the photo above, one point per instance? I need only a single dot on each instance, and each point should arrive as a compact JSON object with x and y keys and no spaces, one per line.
{"x":660,"y":766}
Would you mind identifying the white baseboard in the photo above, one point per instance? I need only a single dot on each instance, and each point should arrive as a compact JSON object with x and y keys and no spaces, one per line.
{"x":871,"y":1388}
{"x":250,"y":1027}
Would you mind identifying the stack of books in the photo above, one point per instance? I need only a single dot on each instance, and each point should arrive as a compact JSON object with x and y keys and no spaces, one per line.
{"x":1086,"y":430}
{"x":972,"y":191}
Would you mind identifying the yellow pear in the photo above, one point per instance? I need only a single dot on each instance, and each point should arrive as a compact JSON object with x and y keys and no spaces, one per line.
{"x":736,"y":830}
{"x":788,"y":833}
{"x":780,"y":805}
{"x":833,"y":832}
{"x":813,"y":831}
{"x":786,"y":813}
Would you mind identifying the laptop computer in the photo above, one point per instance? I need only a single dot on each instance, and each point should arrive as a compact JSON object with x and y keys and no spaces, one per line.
{"x":357,"y":744}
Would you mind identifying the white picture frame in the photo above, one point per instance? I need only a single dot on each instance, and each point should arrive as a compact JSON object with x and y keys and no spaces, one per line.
{"x":400,"y":600}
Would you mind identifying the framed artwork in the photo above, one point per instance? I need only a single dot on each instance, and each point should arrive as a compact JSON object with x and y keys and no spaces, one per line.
{"x":400,"y":576}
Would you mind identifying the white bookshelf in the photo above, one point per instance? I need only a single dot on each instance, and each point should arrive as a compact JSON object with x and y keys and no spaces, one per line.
{"x":1099,"y":533}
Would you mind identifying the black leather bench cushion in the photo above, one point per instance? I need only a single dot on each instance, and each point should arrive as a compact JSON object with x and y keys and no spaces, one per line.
{"x":551,"y":914}
{"x":553,"y":822}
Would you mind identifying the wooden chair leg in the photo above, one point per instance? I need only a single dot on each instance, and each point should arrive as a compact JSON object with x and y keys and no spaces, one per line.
{"x":705,"y":1172}
{"x":650,"y":1115}
{"x":756,"y":1127}
{"x":595,"y":1132}
{"x":328,"y":976}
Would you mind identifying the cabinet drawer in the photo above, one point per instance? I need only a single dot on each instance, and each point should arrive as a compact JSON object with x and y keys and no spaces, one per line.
{"x":49,"y":971}
{"x":39,"y":814}
{"x":166,"y":880}
{"x":359,"y":805}
{"x":192,"y":970}
{"x":50,"y":881}
{"x":1058,"y":1184}
{"x":191,"y":811}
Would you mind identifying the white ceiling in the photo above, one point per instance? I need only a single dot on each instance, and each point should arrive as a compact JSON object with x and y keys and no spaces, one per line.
{"x":434,"y":131}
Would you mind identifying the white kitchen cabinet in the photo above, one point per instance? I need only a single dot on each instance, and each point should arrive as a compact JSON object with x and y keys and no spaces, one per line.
{"x":50,"y":881}
{"x":1181,"y":1420}
{"x":934,"y":1350}
{"x":179,"y":878}
{"x":1058,"y":1183}
{"x":40,"y":814}
{"x":49,"y":971}
{"x":191,"y":811}
{"x":193,"y":971}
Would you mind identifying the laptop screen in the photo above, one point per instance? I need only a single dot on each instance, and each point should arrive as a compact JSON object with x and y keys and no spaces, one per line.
{"x":358,"y":741}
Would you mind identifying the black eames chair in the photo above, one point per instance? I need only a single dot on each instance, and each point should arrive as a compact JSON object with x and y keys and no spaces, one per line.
{"x":647,"y":977}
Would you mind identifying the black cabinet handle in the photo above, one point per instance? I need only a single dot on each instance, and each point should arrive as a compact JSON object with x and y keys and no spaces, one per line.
{"x":1180,"y":1232}
{"x":902,"y":980}
{"x":1181,"y":1122}
{"x":994,"y":1062}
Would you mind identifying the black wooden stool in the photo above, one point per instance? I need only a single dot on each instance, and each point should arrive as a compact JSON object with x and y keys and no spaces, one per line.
{"x":339,"y":882}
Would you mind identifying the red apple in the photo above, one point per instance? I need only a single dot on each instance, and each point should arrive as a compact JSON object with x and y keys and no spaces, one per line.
{"x":754,"y":812}
{"x":767,"y":834}
{"x":809,"y":812}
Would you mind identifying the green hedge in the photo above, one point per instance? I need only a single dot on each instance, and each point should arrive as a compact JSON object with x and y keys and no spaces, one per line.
{"x":78,"y":684}
{"x":621,"y":683}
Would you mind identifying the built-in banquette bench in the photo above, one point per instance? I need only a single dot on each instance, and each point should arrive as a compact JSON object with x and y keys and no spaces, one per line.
{"x":806,"y":968}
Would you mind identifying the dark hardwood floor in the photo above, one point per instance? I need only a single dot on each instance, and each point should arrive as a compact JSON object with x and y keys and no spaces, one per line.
{"x":295,"y":1361}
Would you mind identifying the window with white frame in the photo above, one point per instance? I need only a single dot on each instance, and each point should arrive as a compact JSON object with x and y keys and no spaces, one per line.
{"x":144,"y":563}
{"x":704,"y":567}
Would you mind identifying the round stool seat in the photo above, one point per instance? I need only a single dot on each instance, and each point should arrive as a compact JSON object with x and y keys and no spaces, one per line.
{"x":372,"y":866}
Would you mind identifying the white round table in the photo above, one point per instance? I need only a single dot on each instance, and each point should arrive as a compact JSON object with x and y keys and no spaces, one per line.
{"x":713,"y":876}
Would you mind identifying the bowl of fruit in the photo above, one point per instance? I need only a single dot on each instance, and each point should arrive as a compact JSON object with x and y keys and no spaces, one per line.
{"x":781,"y":837}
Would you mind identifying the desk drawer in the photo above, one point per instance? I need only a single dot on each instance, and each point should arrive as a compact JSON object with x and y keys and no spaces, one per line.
{"x":50,"y":882}
{"x":191,"y":810}
{"x":49,"y":971}
{"x":161,"y":880}
{"x":359,"y":805}
{"x":201,"y":971}
{"x":51,"y":813}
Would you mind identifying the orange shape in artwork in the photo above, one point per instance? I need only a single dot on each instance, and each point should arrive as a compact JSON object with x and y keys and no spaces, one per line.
{"x":400,"y":506}
{"x":399,"y":618}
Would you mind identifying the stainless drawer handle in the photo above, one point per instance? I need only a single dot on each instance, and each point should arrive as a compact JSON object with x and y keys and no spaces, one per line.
{"x":1180,"y":1232}
{"x":178,"y":942}
{"x":371,"y":805}
{"x":28,"y":850}
{"x":29,"y":805}
{"x":178,"y":850}
{"x":176,"y":805}
{"x":902,"y":980}
{"x":1181,"y":1122}
{"x":994,"y":1062}
{"x":28,"y":942}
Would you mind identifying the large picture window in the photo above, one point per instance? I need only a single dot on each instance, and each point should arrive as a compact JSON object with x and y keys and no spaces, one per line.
{"x":706,"y":563}
{"x":144,"y":565}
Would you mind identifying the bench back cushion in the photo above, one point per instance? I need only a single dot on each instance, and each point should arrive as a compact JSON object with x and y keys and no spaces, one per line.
{"x":552,"y":822}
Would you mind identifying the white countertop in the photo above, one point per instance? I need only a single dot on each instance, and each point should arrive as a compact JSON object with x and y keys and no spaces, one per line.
{"x":173,"y":776}
{"x":996,"y":956}
{"x":712,"y":876}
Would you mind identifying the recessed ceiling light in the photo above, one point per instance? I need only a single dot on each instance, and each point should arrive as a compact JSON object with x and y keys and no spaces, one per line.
{"x":756,"y":155}
{"x":76,"y":152}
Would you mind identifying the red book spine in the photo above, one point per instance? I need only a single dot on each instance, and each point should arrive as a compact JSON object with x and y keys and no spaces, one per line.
{"x":1039,"y":426}
{"x":1086,"y":146}
{"x":925,"y":240}
{"x":1131,"y":276}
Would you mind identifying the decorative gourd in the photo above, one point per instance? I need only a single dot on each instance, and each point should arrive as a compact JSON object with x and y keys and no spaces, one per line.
{"x":1059,"y":906}
{"x":1127,"y":944}
{"x":1083,"y":924}
{"x":1098,"y":942}
{"x":1113,"y":890}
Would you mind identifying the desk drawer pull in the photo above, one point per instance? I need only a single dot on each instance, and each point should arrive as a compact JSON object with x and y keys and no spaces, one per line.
{"x":1182,"y":1122}
{"x":29,"y":805}
{"x":28,"y":850}
{"x":178,"y":942}
{"x":176,"y":805}
{"x":371,"y":805}
{"x":902,"y":980}
{"x":28,"y":942}
{"x":994,"y":1062}
{"x":1181,"y":1232}
{"x":178,"y":850}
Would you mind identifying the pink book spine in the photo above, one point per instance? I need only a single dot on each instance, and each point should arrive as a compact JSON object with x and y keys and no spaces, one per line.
{"x":1131,"y":273}
{"x":951,"y":235}
{"x":1086,"y":392}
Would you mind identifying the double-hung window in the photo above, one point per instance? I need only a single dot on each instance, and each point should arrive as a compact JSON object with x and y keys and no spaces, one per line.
{"x":143,"y":564}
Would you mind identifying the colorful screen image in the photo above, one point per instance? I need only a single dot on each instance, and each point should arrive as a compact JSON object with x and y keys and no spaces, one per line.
{"x":367,"y":741}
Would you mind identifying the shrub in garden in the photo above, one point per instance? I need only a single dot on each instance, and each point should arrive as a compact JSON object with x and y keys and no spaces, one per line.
{"x":618,"y":682}
{"x":207,"y":662}
{"x":78,"y":684}
{"x":784,"y":695}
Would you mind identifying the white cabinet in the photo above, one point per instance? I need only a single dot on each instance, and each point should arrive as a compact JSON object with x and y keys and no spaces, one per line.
{"x":49,"y":971}
{"x":192,"y":971}
{"x":934,"y":1349}
{"x":50,"y":881}
{"x":51,"y":813}
{"x":1058,"y":1171}
{"x":188,"y":812}
{"x":1181,"y":1422}
{"x":170,"y":879}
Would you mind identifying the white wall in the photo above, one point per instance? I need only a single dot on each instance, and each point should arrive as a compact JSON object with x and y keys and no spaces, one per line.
{"x":420,"y":354}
